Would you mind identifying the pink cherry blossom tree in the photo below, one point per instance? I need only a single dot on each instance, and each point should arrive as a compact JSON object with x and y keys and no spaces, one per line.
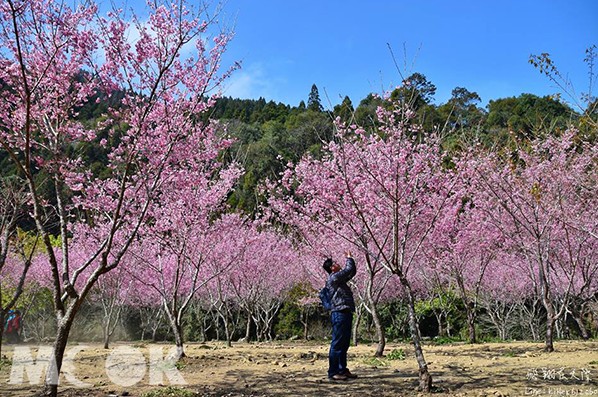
{"x":55,"y":59}
{"x":173,"y":264}
{"x":271,"y":268}
{"x":382,"y":193}
{"x":326,"y":238}
{"x":545,"y":204}
{"x":228,"y":259}
{"x":575,"y":267}
{"x":266,"y":267}
{"x":464,"y":247}
{"x":504,"y":292}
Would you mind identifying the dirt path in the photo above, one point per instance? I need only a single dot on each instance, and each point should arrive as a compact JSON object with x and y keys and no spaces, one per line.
{"x":299,"y":369}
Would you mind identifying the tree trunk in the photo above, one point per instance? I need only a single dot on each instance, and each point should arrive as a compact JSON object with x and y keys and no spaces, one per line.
{"x":305,"y":322}
{"x":106,"y":330}
{"x":248,"y":328}
{"x":425,"y":379}
{"x":549,"y":342}
{"x":53,"y":372}
{"x":441,"y":330}
{"x":177,"y":331}
{"x":227,"y":332}
{"x":583,"y":330}
{"x":551,"y":316}
{"x":178,"y":340}
{"x":1,"y":331}
{"x":471,"y":317}
{"x":358,"y":316}
{"x":577,"y":316}
{"x":551,"y":319}
{"x":111,"y":319}
{"x":106,"y":340}
{"x":378,"y":326}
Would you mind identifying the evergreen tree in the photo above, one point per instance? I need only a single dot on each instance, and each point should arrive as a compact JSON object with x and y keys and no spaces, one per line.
{"x":344,"y":110}
{"x":313,"y":102}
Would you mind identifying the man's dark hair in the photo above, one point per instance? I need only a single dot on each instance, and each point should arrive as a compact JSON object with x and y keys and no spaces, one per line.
{"x":328,"y":265}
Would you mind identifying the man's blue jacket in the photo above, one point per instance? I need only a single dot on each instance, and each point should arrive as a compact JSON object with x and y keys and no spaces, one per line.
{"x":342,"y":297}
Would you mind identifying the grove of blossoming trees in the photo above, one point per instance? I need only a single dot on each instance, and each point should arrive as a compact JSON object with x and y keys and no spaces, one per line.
{"x":395,"y":197}
{"x":495,"y":231}
{"x":544,"y":203}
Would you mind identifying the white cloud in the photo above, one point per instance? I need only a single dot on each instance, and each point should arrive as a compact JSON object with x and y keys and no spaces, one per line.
{"x":253,"y":82}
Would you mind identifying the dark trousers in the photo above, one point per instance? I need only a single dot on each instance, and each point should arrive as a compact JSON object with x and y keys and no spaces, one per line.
{"x":341,"y":339}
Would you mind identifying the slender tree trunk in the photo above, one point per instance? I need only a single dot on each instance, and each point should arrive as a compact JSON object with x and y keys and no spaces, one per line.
{"x":248,"y":328}
{"x":549,"y":341}
{"x":560,"y":329}
{"x":425,"y":379}
{"x":358,"y":315}
{"x":177,"y":330}
{"x":583,"y":330}
{"x":551,"y":319}
{"x":178,"y":339}
{"x":1,"y":331}
{"x":447,"y":322}
{"x":205,"y":325}
{"x":471,"y":317}
{"x":380,"y":333}
{"x":144,"y":324}
{"x":106,"y":339}
{"x":577,"y":316}
{"x":470,"y":311}
{"x":548,"y":305}
{"x":106,"y":329}
{"x":258,"y":330}
{"x":441,"y":330}
{"x":110,"y":322}
{"x":53,"y":371}
{"x":305,"y":331}
{"x":534,"y":330}
{"x":305,"y":322}
{"x":227,"y":332}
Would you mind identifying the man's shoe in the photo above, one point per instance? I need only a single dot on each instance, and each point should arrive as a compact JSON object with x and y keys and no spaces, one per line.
{"x":348,"y":374}
{"x":338,"y":377}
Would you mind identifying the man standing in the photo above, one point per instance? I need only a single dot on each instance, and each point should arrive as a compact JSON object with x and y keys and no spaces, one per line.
{"x":341,"y":316}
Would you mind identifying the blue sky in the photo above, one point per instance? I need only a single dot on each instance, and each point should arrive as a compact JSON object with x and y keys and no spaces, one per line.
{"x":343,"y":46}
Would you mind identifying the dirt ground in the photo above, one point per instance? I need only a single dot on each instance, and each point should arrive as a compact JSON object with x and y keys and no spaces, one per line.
{"x":299,"y":369}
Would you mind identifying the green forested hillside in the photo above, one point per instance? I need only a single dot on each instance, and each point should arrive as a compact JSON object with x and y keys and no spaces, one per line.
{"x":269,"y":134}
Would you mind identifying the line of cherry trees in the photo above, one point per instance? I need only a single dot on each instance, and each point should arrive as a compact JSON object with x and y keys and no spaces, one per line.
{"x":498,"y":232}
{"x":517,"y":228}
{"x":154,"y":229}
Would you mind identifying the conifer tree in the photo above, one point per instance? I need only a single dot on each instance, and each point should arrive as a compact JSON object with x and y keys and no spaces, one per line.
{"x":313,"y":101}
